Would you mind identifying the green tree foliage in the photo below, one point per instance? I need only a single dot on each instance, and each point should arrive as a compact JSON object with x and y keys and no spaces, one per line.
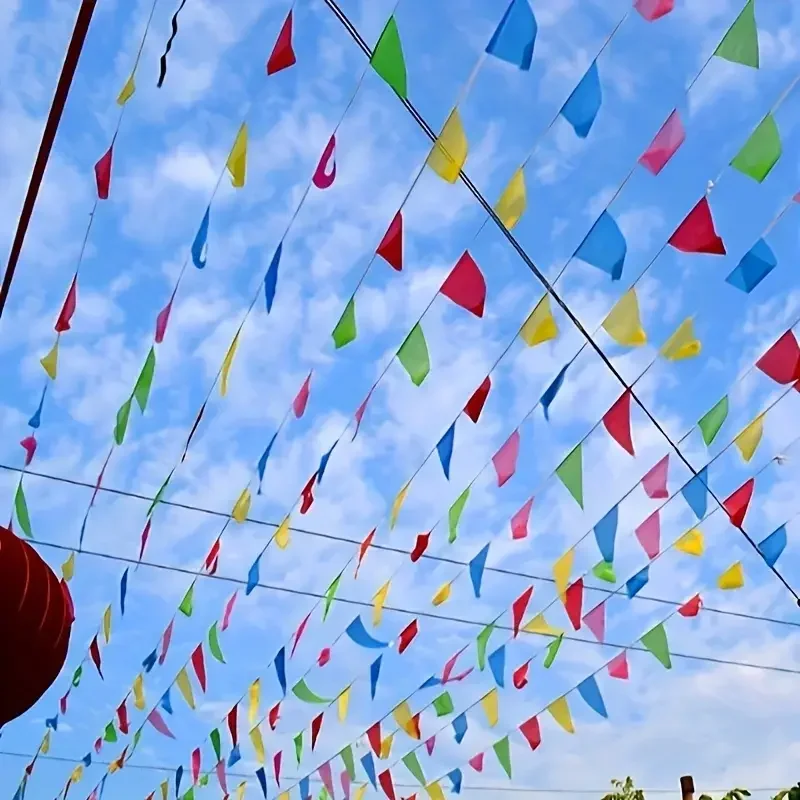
{"x":625,"y":790}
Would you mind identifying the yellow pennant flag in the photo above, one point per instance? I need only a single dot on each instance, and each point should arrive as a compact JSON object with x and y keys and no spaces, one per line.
{"x":342,"y":704}
{"x":397,"y":505}
{"x":682,"y":344}
{"x":732,"y":578}
{"x":512,"y":203}
{"x":50,"y":362}
{"x":378,"y":602}
{"x":164,"y":790}
{"x":405,"y":719}
{"x":562,"y":570}
{"x":227,"y":362}
{"x":237,"y":160}
{"x":449,"y":153}
{"x":77,"y":774}
{"x":559,"y":710}
{"x":283,"y":796}
{"x":68,"y":568}
{"x":359,"y":792}
{"x":138,"y":692}
{"x":434,"y":791}
{"x":540,"y":325}
{"x":242,"y":788}
{"x":748,"y":440}
{"x":127,"y":90}
{"x":283,"y":534}
{"x":107,"y":624}
{"x":255,"y":699}
{"x":241,"y":508}
{"x":258,"y":744}
{"x":44,"y":747}
{"x":623,"y":323}
{"x":541,"y":626}
{"x":185,"y":687}
{"x":386,"y":746}
{"x":442,"y":594}
{"x":491,"y":707}
{"x":691,"y":543}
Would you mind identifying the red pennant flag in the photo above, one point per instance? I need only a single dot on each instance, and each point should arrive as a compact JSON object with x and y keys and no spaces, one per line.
{"x":122,"y":718}
{"x":476,"y":403}
{"x":212,"y":559}
{"x":420,"y":546}
{"x":162,"y":320}
{"x":98,"y":744}
{"x":359,"y":415}
{"x":573,"y":603}
{"x":518,"y":608}
{"x":407,"y":636}
{"x":274,"y":715}
{"x":226,"y":614}
{"x":430,"y":744}
{"x":316,"y":726}
{"x":618,"y":666}
{"x":374,"y":738}
{"x":782,"y":361}
{"x":737,"y":504}
{"x":649,"y":535}
{"x":519,"y":522}
{"x":276,"y":766}
{"x":385,"y":780}
{"x":617,"y":421}
{"x":476,"y":762}
{"x":391,"y":247}
{"x":505,"y":459}
{"x":28,"y":444}
{"x":363,"y":547}
{"x":145,"y":536}
{"x":282,"y":55}
{"x":324,"y":656}
{"x":94,"y":652}
{"x":199,"y":665}
{"x":530,"y":730}
{"x":325,"y":173}
{"x":195,"y":765}
{"x":62,"y":703}
{"x":596,"y":621}
{"x":696,"y":234}
{"x":233,"y":725}
{"x":652,"y":10}
{"x":466,"y":286}
{"x":102,"y":173}
{"x":308,"y":495}
{"x":68,"y":308}
{"x":520,"y":676}
{"x":414,"y":726}
{"x":691,"y":608}
{"x":301,"y":401}
{"x":655,"y":481}
{"x":298,"y":633}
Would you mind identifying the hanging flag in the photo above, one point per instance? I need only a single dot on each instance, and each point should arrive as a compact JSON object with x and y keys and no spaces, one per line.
{"x":454,"y":514}
{"x":307,"y":493}
{"x":748,"y":440}
{"x":502,"y":750}
{"x":253,"y":576}
{"x":141,"y":391}
{"x":271,"y":277}
{"x":497,"y":664}
{"x":411,"y":763}
{"x":358,"y":633}
{"x":596,"y":621}
{"x":482,"y":644}
{"x":157,"y":721}
{"x":515,"y":35}
{"x":573,"y":603}
{"x":283,"y":533}
{"x":94,"y":652}
{"x":227,"y":362}
{"x":476,"y":402}
{"x":107,"y":624}
{"x":406,"y":636}
{"x":540,"y":326}
{"x":520,"y":676}
{"x":276,"y":766}
{"x":561,"y":571}
{"x":773,"y":546}
{"x":617,"y":421}
{"x":732,"y":578}
{"x":359,"y":415}
{"x":68,"y":307}
{"x":618,"y":666}
{"x":456,"y":779}
{"x":325,"y":173}
{"x":755,"y":265}
{"x":519,"y":522}
{"x":165,"y":642}
{"x":345,"y":330}
{"x":303,"y":693}
{"x":200,"y":243}
{"x":490,"y":705}
{"x":241,"y":508}
{"x":460,"y":727}
{"x":691,"y":608}
{"x":740,"y":43}
{"x":162,"y":320}
{"x":696,"y":234}
{"x":581,"y":109}
{"x":68,"y":569}
{"x":476,"y":762}
{"x":199,"y":666}
{"x":635,"y":584}
{"x":363,"y":547}
{"x":476,"y":568}
{"x":378,"y":602}
{"x":301,"y":400}
{"x":237,"y":160}
{"x":570,"y":473}
{"x":413,"y":355}
{"x":666,"y":142}
{"x":213,"y":643}
{"x":505,"y":459}
{"x":711,"y":422}
{"x":654,"y":482}
{"x":330,"y":594}
{"x":445,"y":449}
{"x":513,"y":201}
{"x":782,"y":361}
{"x":316,"y":726}
{"x":559,"y":710}
{"x":552,"y":391}
{"x":374,"y":738}
{"x":186,"y":606}
{"x":385,"y":780}
{"x":590,"y":692}
{"x":649,"y":535}
{"x":604,"y":247}
{"x":691,"y":543}
{"x":102,"y":173}
{"x":282,"y":55}
{"x":652,"y":10}
{"x":466,"y":286}
{"x":390,"y":248}
{"x":387,"y":59}
{"x":605,"y":534}
{"x":374,"y":674}
{"x":123,"y":591}
{"x":185,"y":687}
{"x":655,"y":641}
{"x":121,"y":425}
{"x":36,"y":420}
{"x":386,"y":747}
{"x":420,"y":546}
{"x":737,"y":504}
{"x":274,"y":715}
{"x":623,"y":323}
{"x":127,"y":91}
{"x":408,"y":722}
{"x":450,"y":150}
{"x":518,"y":609}
{"x":761,"y":151}
{"x":552,"y":651}
{"x":682,"y":344}
{"x":50,"y":362}
{"x":443,"y":704}
{"x":258,"y":744}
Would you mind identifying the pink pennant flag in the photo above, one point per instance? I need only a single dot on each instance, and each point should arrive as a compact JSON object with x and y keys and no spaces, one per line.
{"x":450,"y":665}
{"x":691,"y":608}
{"x":199,"y":665}
{"x":359,"y":415}
{"x":519,"y":522}
{"x":520,"y":676}
{"x":476,"y":762}
{"x":324,"y":656}
{"x":519,"y":607}
{"x":226,"y":614}
{"x":505,"y":459}
{"x":666,"y":143}
{"x":654,"y":482}
{"x":102,"y":173}
{"x":221,"y":777}
{"x":157,"y":721}
{"x":144,"y":537}
{"x":618,"y":666}
{"x":62,"y":704}
{"x":301,"y":401}
{"x":162,"y":320}
{"x":326,"y":777}
{"x":68,"y":308}
{"x":98,"y":744}
{"x":696,"y":234}
{"x":28,"y":444}
{"x":325,"y":173}
{"x":476,"y":403}
{"x":596,"y":621}
{"x":195,"y":765}
{"x":420,"y":546}
{"x":344,"y":779}
{"x":466,"y":286}
{"x":276,"y":766}
{"x":165,"y":640}
{"x":282,"y":55}
{"x":430,"y":744}
{"x":737,"y":504}
{"x":652,"y":10}
{"x":391,"y":247}
{"x":573,"y":603}
{"x":617,"y":422}
{"x":649,"y":535}
{"x":301,"y":628}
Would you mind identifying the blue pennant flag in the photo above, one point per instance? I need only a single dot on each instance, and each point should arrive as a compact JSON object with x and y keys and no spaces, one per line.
{"x":605,"y":534}
{"x":305,"y":791}
{"x":460,"y":726}
{"x":87,"y":760}
{"x":150,"y":661}
{"x":235,"y":757}
{"x":323,"y":462}
{"x":36,"y":420}
{"x":695,"y":493}
{"x":358,"y":633}
{"x":369,"y":768}
{"x":200,"y":240}
{"x":166,"y":702}
{"x":476,"y":567}
{"x":123,"y":591}
{"x":497,"y":664}
{"x":262,"y":462}
{"x":590,"y":692}
{"x":253,"y":575}
{"x":515,"y":36}
{"x":374,"y":673}
{"x":280,"y":669}
{"x":455,"y":778}
{"x":432,"y":681}
{"x":581,"y":108}
{"x":755,"y":265}
{"x":773,"y":546}
{"x":635,"y":584}
{"x":178,"y":779}
{"x":52,"y":723}
{"x":604,"y":246}
{"x":271,"y":278}
{"x":445,"y":449}
{"x":552,"y":391}
{"x":262,"y":780}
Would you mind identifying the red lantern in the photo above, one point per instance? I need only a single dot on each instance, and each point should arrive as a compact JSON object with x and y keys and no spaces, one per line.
{"x":36,"y":616}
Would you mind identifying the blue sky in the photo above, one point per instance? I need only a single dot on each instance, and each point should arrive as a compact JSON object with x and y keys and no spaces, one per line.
{"x":168,"y":155}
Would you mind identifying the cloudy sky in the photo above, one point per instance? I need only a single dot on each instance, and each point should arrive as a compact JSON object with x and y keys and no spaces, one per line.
{"x":724,"y":724}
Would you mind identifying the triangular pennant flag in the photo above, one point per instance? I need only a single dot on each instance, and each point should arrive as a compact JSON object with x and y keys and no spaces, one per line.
{"x":476,"y":762}
{"x":303,"y":693}
{"x":502,"y":750}
{"x":301,"y":399}
{"x":127,"y":91}
{"x":540,"y":326}
{"x":102,"y":173}
{"x":655,"y":641}
{"x":711,"y":422}
{"x":68,"y":307}
{"x":505,"y":459}
{"x":21,"y":511}
{"x":358,"y":633}
{"x":682,"y":344}
{"x":345,"y":330}
{"x":283,"y":534}
{"x":385,"y":780}
{"x":409,"y":723}
{"x":737,"y":504}
{"x":454,"y":514}
{"x":740,"y":43}
{"x":691,"y":608}
{"x":652,"y":10}
{"x":386,"y":747}
{"x":411,"y":763}
{"x":618,"y":666}
{"x":442,"y":594}
{"x":50,"y":362}
{"x":199,"y":245}
{"x":596,"y":621}
{"x":68,"y":568}
{"x":374,"y":674}
{"x":282,"y":55}
{"x":755,"y":265}
{"x":121,"y":426}
{"x":513,"y":201}
{"x":552,"y":651}
{"x":253,"y":576}
{"x":666,"y":142}
{"x":695,"y":493}
{"x":186,"y":606}
{"x":623,"y":323}
{"x":466,"y":286}
{"x":541,"y":626}
{"x":374,"y":739}
{"x":520,"y":676}
{"x":773,"y":546}
{"x":349,"y":763}
{"x":559,"y":710}
{"x":258,"y":744}
{"x":617,"y":421}
{"x":635,"y":584}
{"x":530,"y":730}
{"x":185,"y":687}
{"x":604,"y":246}
{"x":573,"y":603}
{"x":519,"y":607}
{"x":141,"y":391}
{"x":654,"y":482}
{"x":748,"y":440}
{"x":162,"y":320}
{"x":590,"y":692}
{"x":732,"y":578}
{"x":497,"y":664}
{"x":316,"y":727}
{"x":570,"y":473}
{"x":199,"y":666}
{"x":213,"y":644}
{"x":271,"y":277}
{"x":378,"y":602}
{"x":761,"y":151}
{"x":476,"y":568}
{"x":391,"y":247}
{"x":157,"y":721}
{"x":482,"y":643}
{"x":551,"y":392}
{"x":519,"y":522}
{"x":691,"y":543}
{"x":696,"y":234}
{"x":445,"y":449}
{"x":406,"y":636}
{"x":515,"y":35}
{"x":363,"y":547}
{"x":237,"y":160}
{"x":490,"y":705}
{"x":227,"y":362}
{"x":342,"y":705}
{"x":450,"y":150}
{"x":582,"y":106}
{"x":330,"y":594}
{"x":387,"y":59}
{"x":605,"y":534}
{"x":649,"y":535}
{"x":782,"y":361}
{"x":397,"y":504}
{"x":561,"y":571}
{"x":241,"y":508}
{"x":325,"y":173}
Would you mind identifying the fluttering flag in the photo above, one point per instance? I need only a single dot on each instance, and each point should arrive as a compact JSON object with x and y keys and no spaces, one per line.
{"x":514,"y":200}
{"x":573,"y":603}
{"x":165,"y":642}
{"x":68,"y":568}
{"x":605,"y":534}
{"x":413,"y":355}
{"x":359,"y":415}
{"x":411,"y":763}
{"x":519,"y":522}
{"x":691,"y":543}
{"x":274,"y":715}
{"x":617,"y":421}
{"x":157,"y":721}
{"x":68,"y":307}
{"x":271,"y":277}
{"x":325,"y":173}
{"x":442,"y":594}
{"x":502,"y":750}
{"x":237,"y":160}
{"x":654,"y":482}
{"x":450,"y":150}
{"x":477,"y":401}
{"x":740,"y":43}
{"x":387,"y":59}
{"x":378,"y":602}
{"x":596,"y":621}
{"x":454,"y":514}
{"x":456,"y":778}
{"x":36,"y":419}
{"x":666,"y":142}
{"x":282,"y":55}
{"x":374,"y":674}
{"x":102,"y":173}
{"x":185,"y":687}
{"x":649,"y":535}
{"x":213,"y":643}
{"x":227,"y":362}
{"x":94,"y":652}
{"x":476,"y":762}
{"x":748,"y":440}
{"x":559,"y":711}
{"x":257,"y":741}
{"x":397,"y":504}
{"x":444,"y":448}
{"x":346,"y":330}
{"x":200,"y":243}
{"x":406,"y":636}
{"x":301,"y":399}
{"x":374,"y":738}
{"x":552,"y":651}
{"x":519,"y":607}
{"x":655,"y":640}
{"x":561,"y":571}
{"x":551,"y":392}
{"x":755,"y":265}
{"x":358,"y":633}
{"x":127,"y":91}
{"x":505,"y":459}
{"x":540,"y":326}
{"x":497,"y":664}
{"x":330,"y":594}
{"x":582,"y":106}
{"x":307,"y":494}
{"x":732,"y":578}
{"x":407,"y":722}
{"x":276,"y":766}
{"x":761,"y":151}
{"x":604,"y":247}
{"x":50,"y":362}
{"x":520,"y":676}
{"x":696,"y":234}
{"x":651,"y":10}
{"x":162,"y":320}
{"x":241,"y":508}
{"x":107,"y":624}
{"x":618,"y":666}
{"x":390,"y":248}
{"x":590,"y":692}
{"x":570,"y":473}
{"x":691,"y":608}
{"x":711,"y":422}
{"x":682,"y":344}
{"x":186,"y":606}
{"x":342,"y":705}
{"x":316,"y":727}
{"x":199,"y":665}
{"x":123,"y":592}
{"x":623,"y":323}
{"x":363,"y":547}
{"x":386,"y":746}
{"x":782,"y":361}
{"x":466,"y":286}
{"x":531,"y":732}
{"x":385,"y":780}
{"x":141,"y":391}
{"x":635,"y":584}
{"x":490,"y":703}
{"x":514,"y":38}
{"x":737,"y":504}
{"x":476,"y":569}
{"x":121,"y":424}
{"x":303,"y":693}
{"x":283,"y":533}
{"x":773,"y":546}
{"x":482,"y":643}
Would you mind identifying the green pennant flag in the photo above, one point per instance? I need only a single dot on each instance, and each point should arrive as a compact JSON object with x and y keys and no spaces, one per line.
{"x":740,"y":43}
{"x":570,"y":472}
{"x":387,"y":59}
{"x":503,"y":753}
{"x":189,"y":794}
{"x":711,"y":422}
{"x":345,"y":330}
{"x":303,"y":693}
{"x":552,"y":651}
{"x":604,"y":571}
{"x":159,"y":494}
{"x":348,"y":761}
{"x":655,"y":641}
{"x":330,"y":594}
{"x":21,"y":510}
{"x":323,"y":794}
{"x":76,"y":677}
{"x":203,"y":780}
{"x":761,"y":151}
{"x":213,"y":644}
{"x":443,"y":704}
{"x":454,"y":515}
{"x":413,"y":355}
{"x":123,"y":415}
{"x":110,"y":733}
{"x":187,"y":604}
{"x":136,"y":737}
{"x":216,"y":744}
{"x":413,"y":766}
{"x":483,"y":642}
{"x":298,"y":747}
{"x":145,"y":380}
